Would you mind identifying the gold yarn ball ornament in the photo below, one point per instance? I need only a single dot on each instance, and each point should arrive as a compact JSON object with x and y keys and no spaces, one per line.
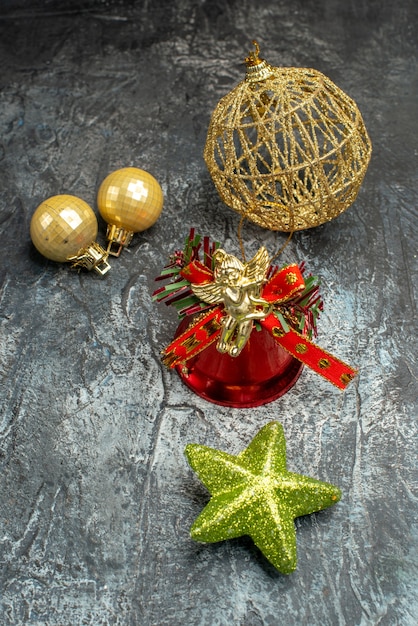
{"x":287,"y":148}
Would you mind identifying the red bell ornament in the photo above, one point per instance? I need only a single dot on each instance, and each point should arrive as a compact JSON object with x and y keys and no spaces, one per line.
{"x":247,"y":326}
{"x":261,"y":373}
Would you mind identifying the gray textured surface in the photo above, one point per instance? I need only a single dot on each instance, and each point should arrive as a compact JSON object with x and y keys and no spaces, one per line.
{"x":96,"y":496}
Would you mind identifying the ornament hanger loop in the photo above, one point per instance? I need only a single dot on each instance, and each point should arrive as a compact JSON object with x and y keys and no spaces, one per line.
{"x":253,"y":55}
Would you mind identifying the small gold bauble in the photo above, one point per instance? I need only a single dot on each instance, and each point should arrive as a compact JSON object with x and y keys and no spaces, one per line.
{"x":61,"y":226}
{"x":131,"y":199}
{"x":287,"y":148}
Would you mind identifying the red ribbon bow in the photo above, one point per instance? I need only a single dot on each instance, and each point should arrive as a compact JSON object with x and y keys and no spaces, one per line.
{"x":279,"y":289}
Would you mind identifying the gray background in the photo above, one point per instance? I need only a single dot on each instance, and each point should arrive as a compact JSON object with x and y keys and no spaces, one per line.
{"x":96,"y":496}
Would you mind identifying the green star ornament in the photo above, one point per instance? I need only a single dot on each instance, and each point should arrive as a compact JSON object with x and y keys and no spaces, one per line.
{"x":254,"y":494}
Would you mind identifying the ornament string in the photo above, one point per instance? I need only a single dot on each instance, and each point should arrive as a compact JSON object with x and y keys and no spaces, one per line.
{"x":279,"y":251}
{"x":291,"y":231}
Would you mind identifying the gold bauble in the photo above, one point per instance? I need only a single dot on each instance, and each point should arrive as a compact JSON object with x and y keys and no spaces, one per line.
{"x":61,"y":226}
{"x":130,"y":198}
{"x":64,"y":228}
{"x":287,"y":148}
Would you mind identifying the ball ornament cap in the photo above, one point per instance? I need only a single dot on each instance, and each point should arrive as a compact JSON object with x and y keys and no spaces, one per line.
{"x":287,"y":148}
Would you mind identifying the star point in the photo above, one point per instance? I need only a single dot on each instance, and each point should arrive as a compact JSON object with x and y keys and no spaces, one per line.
{"x":254,"y":494}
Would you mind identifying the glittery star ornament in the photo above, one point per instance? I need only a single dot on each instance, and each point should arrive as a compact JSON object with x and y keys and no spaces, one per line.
{"x":254,"y":494}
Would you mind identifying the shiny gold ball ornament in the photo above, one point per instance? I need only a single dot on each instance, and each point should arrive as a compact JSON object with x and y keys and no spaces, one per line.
{"x":64,"y":228}
{"x":287,"y":148}
{"x":130,"y":200}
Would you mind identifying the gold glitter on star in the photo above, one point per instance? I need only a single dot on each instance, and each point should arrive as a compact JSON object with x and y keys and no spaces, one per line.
{"x":254,"y":494}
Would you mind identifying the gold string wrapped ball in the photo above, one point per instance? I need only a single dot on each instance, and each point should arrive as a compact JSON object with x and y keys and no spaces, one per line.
{"x":287,"y":148}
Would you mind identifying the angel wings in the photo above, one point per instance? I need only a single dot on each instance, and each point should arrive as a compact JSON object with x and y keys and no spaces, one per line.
{"x":231,"y":272}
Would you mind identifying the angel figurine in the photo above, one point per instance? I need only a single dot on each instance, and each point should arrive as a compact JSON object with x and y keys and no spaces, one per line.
{"x":237,"y":286}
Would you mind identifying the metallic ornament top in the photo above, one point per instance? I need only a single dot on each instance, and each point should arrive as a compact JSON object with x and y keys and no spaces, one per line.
{"x":237,"y":286}
{"x":254,"y":494}
{"x":287,"y":148}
